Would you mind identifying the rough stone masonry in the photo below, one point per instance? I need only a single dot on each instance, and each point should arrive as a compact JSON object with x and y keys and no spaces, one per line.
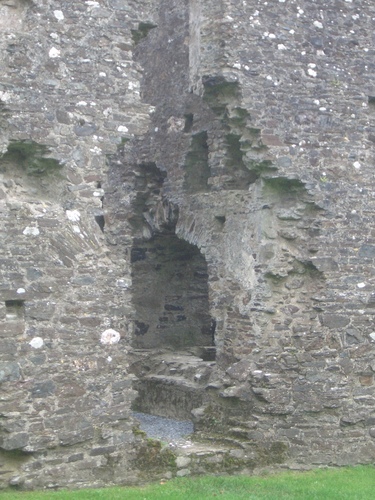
{"x":179,"y":177}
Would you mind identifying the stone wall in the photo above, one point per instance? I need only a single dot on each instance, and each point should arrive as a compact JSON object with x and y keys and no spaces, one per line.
{"x":246,"y":130}
{"x":69,"y":97}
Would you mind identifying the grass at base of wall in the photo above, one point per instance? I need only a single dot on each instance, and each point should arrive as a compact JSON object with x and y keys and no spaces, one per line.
{"x":349,"y":483}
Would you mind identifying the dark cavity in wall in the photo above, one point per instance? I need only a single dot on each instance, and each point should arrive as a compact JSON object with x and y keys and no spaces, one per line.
{"x":14,"y":310}
{"x":100,"y":221}
{"x":189,"y":121}
{"x":142,"y":31}
{"x":99,"y":217}
{"x":197,"y":171}
{"x":170,"y":294}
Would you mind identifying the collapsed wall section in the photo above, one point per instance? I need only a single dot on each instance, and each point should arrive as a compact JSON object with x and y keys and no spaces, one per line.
{"x":299,"y":81}
{"x":269,"y":110}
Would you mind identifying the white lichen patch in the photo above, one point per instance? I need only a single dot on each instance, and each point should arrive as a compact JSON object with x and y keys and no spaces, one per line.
{"x":123,"y":283}
{"x":31,"y":231}
{"x":36,"y":343}
{"x":110,"y":337}
{"x":73,"y":215}
{"x":92,"y":4}
{"x":5,"y":96}
{"x":318,"y":24}
{"x":311,"y":70}
{"x":96,"y":150}
{"x":122,"y":128}
{"x":59,"y":15}
{"x":54,"y":53}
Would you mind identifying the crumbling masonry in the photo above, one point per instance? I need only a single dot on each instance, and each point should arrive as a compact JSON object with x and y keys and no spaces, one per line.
{"x":186,"y":200}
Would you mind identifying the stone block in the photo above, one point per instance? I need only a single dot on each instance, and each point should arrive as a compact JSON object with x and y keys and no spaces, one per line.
{"x":182,"y":462}
{"x":9,"y":371}
{"x":367,"y":252}
{"x":102,"y":450}
{"x":43,"y":389}
{"x":14,"y":441}
{"x":334,"y":320}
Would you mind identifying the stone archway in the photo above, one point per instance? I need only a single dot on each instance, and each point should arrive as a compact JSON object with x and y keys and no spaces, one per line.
{"x":170,"y":294}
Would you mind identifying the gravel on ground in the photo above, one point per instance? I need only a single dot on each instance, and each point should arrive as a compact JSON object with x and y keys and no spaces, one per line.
{"x":174,"y":432}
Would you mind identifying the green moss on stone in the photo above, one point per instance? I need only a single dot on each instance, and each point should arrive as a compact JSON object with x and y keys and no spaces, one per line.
{"x":142,"y":31}
{"x":151,"y":455}
{"x":31,"y":157}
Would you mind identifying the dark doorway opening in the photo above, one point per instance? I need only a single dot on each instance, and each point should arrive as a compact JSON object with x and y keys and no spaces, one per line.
{"x":170,"y":294}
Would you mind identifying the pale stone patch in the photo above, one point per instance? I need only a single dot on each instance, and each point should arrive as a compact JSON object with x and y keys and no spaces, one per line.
{"x":110,"y":337}
{"x":318,"y":24}
{"x":5,"y":96}
{"x":31,"y":231}
{"x":92,"y":4}
{"x":59,"y":15}
{"x":53,"y":53}
{"x":73,"y":215}
{"x":36,"y":342}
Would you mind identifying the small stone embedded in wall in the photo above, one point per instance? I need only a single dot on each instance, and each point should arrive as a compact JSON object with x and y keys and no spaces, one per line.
{"x":31,"y":231}
{"x":110,"y":337}
{"x":36,"y":342}
{"x":73,"y":215}
{"x":9,"y":371}
{"x":58,"y":14}
{"x":53,"y":53}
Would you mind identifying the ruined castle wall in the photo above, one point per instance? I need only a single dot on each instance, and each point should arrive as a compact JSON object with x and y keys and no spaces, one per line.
{"x":69,"y":96}
{"x":273,"y":110}
{"x":305,"y":74}
{"x":256,"y":119}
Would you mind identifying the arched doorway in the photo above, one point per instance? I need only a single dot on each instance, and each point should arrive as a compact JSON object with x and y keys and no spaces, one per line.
{"x":170,"y":294}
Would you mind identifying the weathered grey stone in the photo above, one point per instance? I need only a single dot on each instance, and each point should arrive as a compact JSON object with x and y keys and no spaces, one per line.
{"x":335,"y":320}
{"x":234,"y":201}
{"x":43,"y":389}
{"x":182,"y":462}
{"x":183,"y":473}
{"x":85,"y":130}
{"x":15,"y":441}
{"x":367,"y":251}
{"x":9,"y":371}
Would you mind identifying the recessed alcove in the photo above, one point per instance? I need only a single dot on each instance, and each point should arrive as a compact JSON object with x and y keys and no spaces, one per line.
{"x":173,"y":336}
{"x":170,"y":294}
{"x":14,"y":310}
